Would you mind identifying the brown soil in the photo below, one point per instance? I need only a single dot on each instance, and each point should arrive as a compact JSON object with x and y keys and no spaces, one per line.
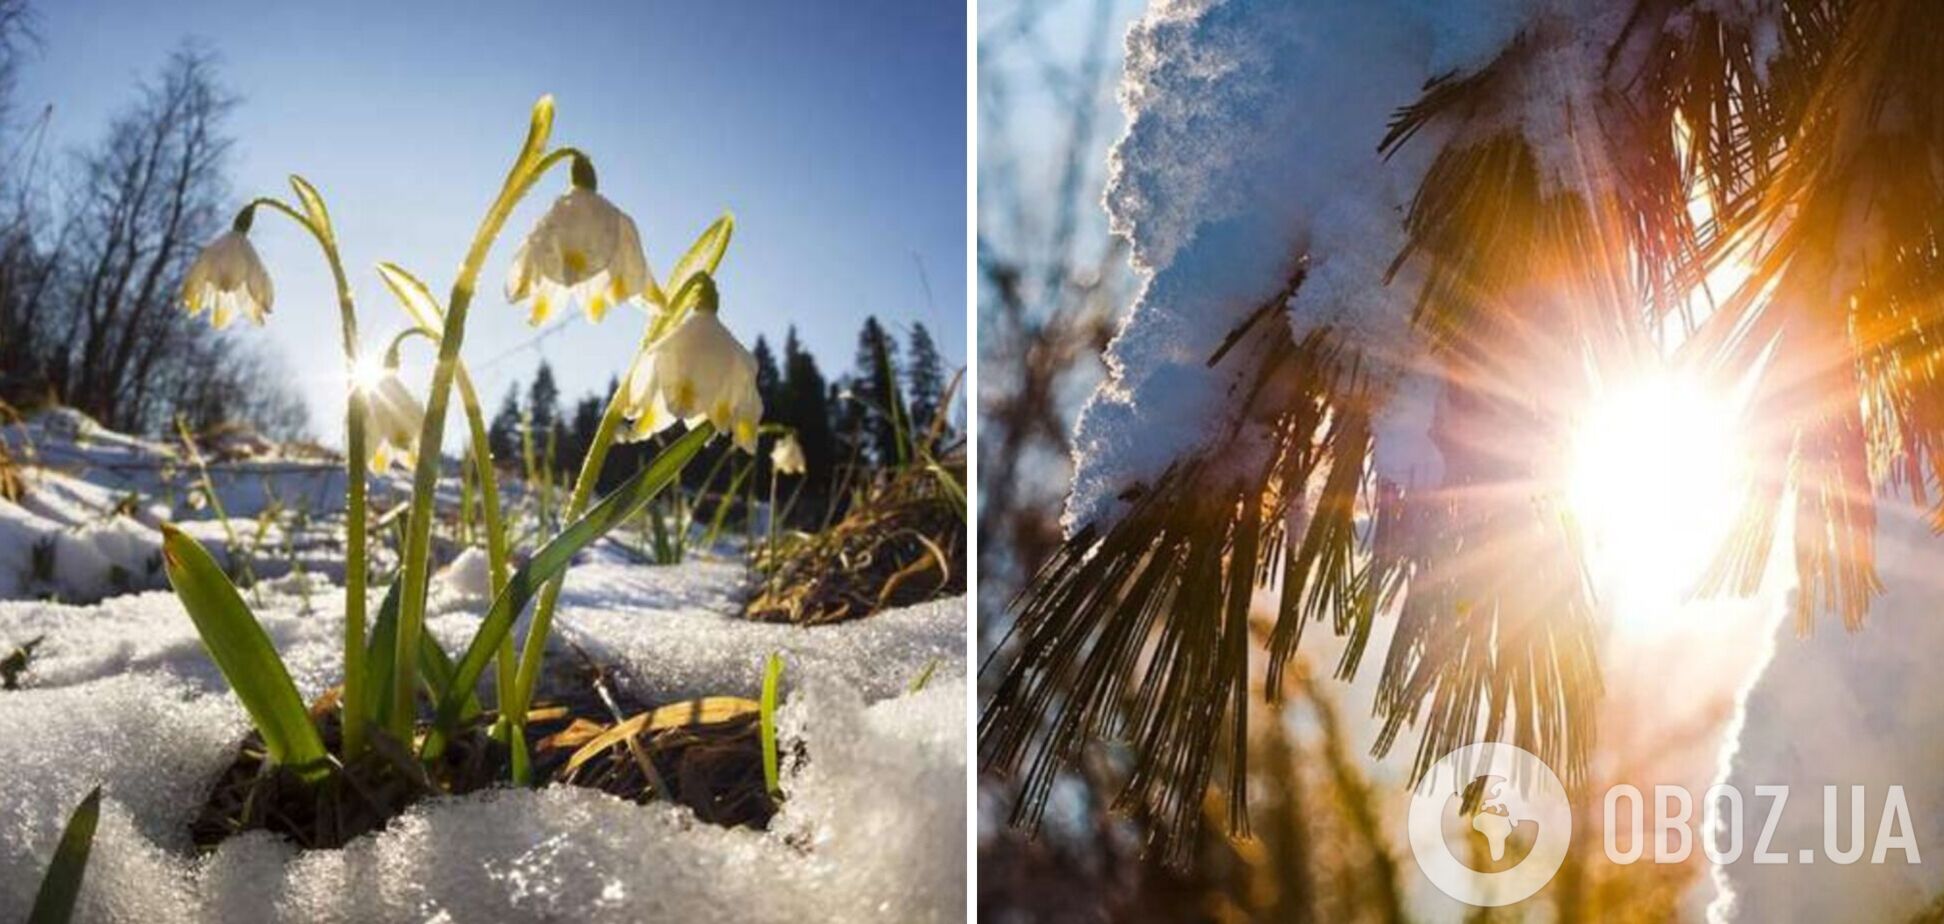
{"x":705,"y":754}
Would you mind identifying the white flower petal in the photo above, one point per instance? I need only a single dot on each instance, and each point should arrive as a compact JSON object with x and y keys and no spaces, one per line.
{"x":586,"y":250}
{"x":697,"y":372}
{"x":227,"y":279}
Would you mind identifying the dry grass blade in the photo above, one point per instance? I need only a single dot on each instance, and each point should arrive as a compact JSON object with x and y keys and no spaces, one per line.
{"x":908,"y":524}
{"x":15,"y":663}
{"x":704,"y":754}
{"x":709,"y":710}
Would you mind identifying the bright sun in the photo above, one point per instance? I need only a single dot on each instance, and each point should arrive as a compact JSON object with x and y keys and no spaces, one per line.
{"x":1657,"y":467}
{"x":366,"y":375}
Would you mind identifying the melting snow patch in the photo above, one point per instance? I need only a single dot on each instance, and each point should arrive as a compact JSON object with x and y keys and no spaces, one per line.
{"x":122,"y":694}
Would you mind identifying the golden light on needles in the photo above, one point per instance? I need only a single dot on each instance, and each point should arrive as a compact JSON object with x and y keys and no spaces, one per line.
{"x":1657,"y":471}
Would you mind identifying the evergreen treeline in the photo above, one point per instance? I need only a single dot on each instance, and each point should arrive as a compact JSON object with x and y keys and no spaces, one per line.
{"x":844,"y":423}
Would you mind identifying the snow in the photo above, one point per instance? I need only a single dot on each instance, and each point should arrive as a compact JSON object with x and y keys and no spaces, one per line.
{"x":85,"y":528}
{"x":1251,"y":149}
{"x":1467,"y":36}
{"x":1762,"y":18}
{"x":121,"y":694}
{"x":468,"y":577}
{"x":876,"y":657}
{"x":87,"y":559}
{"x":1870,"y":698}
{"x":1237,"y":160}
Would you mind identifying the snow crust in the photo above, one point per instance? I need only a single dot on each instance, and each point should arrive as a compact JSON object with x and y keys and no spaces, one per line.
{"x":85,"y":527}
{"x":1251,"y":144}
{"x":121,"y":694}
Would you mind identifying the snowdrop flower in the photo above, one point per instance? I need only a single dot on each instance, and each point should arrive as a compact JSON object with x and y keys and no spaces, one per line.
{"x":228,"y":278}
{"x":583,"y":249}
{"x":787,"y":457}
{"x":393,"y":418}
{"x":697,"y":372}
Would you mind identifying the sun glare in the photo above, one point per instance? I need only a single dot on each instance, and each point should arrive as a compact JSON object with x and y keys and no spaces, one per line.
{"x":1657,"y":466}
{"x":368,"y":372}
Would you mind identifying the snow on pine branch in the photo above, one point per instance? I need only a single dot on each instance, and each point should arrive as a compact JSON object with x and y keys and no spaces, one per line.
{"x":1251,"y":143}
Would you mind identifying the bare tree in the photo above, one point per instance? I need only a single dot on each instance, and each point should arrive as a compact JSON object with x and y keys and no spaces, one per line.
{"x":25,"y":269}
{"x":90,"y":314}
{"x":1051,"y":280}
{"x":144,"y":202}
{"x":17,"y":35}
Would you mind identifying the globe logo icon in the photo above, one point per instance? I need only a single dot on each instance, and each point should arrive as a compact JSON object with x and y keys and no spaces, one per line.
{"x":1490,"y":824}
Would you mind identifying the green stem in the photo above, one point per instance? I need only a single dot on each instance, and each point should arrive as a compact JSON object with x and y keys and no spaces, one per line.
{"x":769,"y":551}
{"x":489,"y":501}
{"x":482,"y":456}
{"x":535,"y":647}
{"x":534,"y":650}
{"x":357,"y":463}
{"x":237,"y":556}
{"x":417,"y":555}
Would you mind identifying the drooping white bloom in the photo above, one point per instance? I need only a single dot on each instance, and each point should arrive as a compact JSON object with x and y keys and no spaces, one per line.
{"x":697,"y":372}
{"x":583,"y":249}
{"x":787,"y":456}
{"x":393,"y":419}
{"x":228,"y":278}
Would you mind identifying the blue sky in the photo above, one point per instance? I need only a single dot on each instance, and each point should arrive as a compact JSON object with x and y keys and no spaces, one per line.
{"x":834,"y":131}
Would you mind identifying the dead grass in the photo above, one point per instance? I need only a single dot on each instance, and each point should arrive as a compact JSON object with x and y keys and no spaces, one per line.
{"x":902,"y":543}
{"x":13,"y":485}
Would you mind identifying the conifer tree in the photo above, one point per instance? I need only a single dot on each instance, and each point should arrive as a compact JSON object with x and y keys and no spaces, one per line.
{"x":925,"y":378}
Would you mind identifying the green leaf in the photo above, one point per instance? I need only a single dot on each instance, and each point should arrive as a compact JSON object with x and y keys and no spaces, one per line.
{"x":426,"y":312}
{"x":381,"y":651}
{"x":313,"y":206}
{"x":704,"y":256}
{"x":722,"y":504}
{"x":242,"y":651}
{"x":436,"y":669}
{"x":895,"y":409}
{"x":772,"y":679}
{"x":552,"y":559}
{"x":435,"y":666}
{"x":54,"y":904}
